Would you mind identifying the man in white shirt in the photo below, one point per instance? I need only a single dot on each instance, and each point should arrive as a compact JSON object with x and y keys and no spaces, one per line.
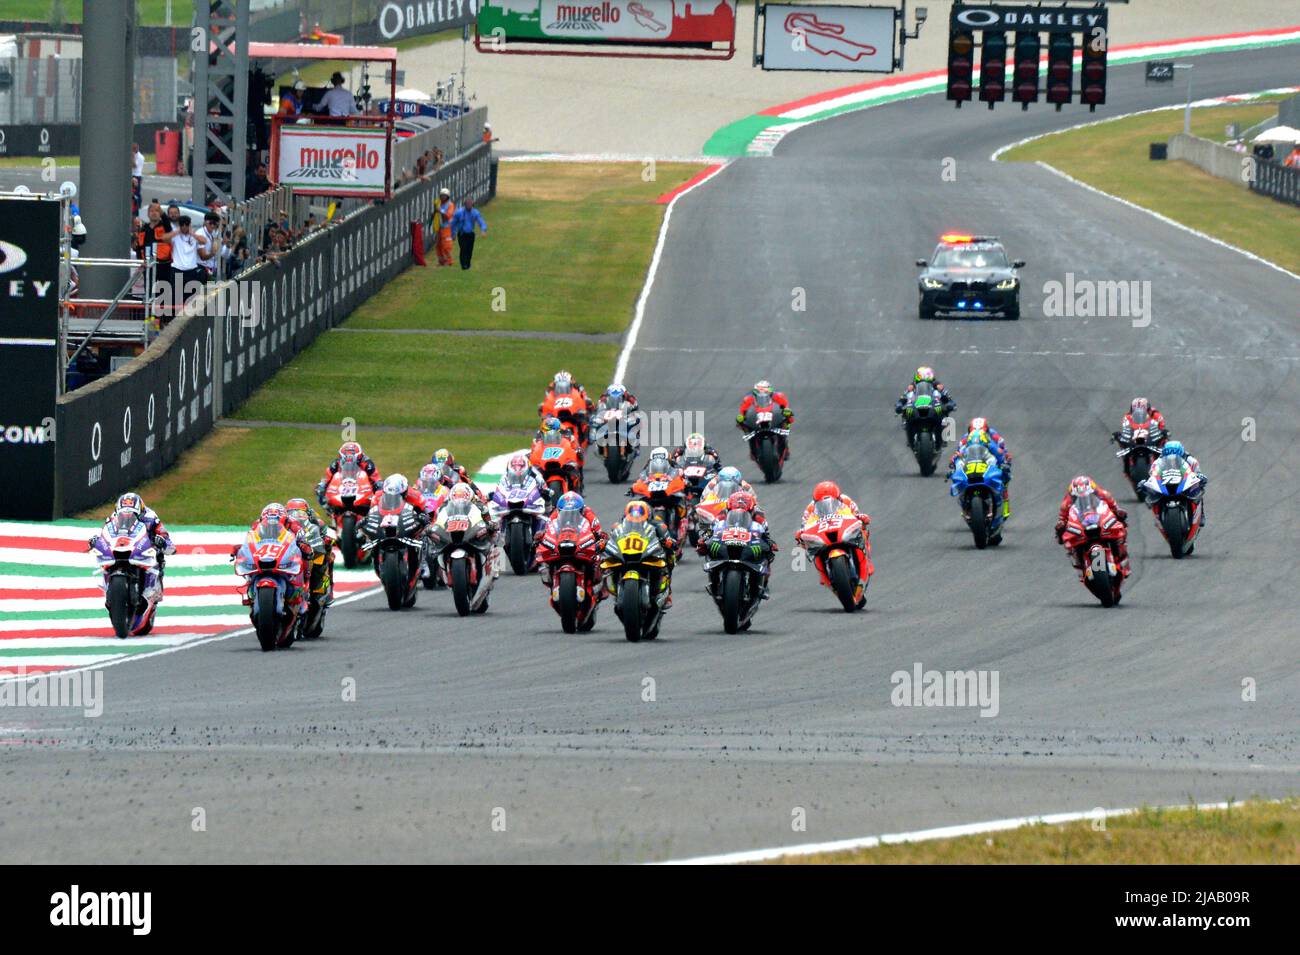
{"x":185,"y":259}
{"x":211,"y":235}
{"x":137,"y":161}
{"x":338,"y":101}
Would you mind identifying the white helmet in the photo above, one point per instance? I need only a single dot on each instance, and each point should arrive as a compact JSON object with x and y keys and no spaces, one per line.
{"x":396,"y":484}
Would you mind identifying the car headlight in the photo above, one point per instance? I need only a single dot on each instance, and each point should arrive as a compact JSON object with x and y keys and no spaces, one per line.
{"x":1006,"y":284}
{"x":931,"y":283}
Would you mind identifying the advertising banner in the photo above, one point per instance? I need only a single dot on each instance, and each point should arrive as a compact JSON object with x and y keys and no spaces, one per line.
{"x":998,"y":18}
{"x":666,"y":22}
{"x":29,"y":355}
{"x":828,"y":38}
{"x":332,"y":160}
{"x":398,"y":20}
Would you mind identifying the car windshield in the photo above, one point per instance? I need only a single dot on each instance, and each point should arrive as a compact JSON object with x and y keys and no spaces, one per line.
{"x":968,"y":258}
{"x":827,"y":507}
{"x":124,"y":522}
{"x":739,"y":518}
{"x":569,"y":520}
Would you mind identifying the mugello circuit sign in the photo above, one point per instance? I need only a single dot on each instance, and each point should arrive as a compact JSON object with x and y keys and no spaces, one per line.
{"x":333,"y":161}
{"x":610,"y":21}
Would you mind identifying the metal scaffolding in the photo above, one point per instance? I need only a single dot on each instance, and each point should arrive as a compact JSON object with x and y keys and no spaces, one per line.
{"x":221,"y":85}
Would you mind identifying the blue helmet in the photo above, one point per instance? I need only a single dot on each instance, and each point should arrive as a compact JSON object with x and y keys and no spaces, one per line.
{"x":616,"y":391}
{"x":1174,"y":447}
{"x":570,"y":501}
{"x":730,"y":474}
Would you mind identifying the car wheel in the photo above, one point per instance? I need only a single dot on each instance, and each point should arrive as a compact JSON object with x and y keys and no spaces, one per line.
{"x":925,"y":311}
{"x":1013,"y":312}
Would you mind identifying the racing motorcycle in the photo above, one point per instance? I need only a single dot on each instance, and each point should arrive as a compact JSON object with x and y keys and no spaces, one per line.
{"x":696,"y":473}
{"x":1174,"y":492}
{"x":394,"y":537}
{"x":710,"y":510}
{"x":271,"y":565}
{"x":129,"y":574}
{"x":736,"y":571}
{"x":519,"y":507}
{"x":348,"y":497}
{"x":322,"y":545}
{"x":977,"y":484}
{"x":569,"y":547}
{"x":559,"y":463}
{"x":571,"y":409}
{"x":432,"y":500}
{"x":614,"y":432}
{"x":1137,"y":452}
{"x":464,"y":555}
{"x":767,"y":441}
{"x":637,"y":570}
{"x":923,"y":420}
{"x":1090,"y":531}
{"x":837,"y":545}
{"x":667,"y":496}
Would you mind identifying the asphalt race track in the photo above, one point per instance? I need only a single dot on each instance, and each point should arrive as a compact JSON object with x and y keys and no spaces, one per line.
{"x":454,"y":719}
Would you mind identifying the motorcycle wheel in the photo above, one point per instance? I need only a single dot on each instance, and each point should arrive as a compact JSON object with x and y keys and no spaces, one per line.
{"x":516,"y":549}
{"x":733,"y":583}
{"x":119,"y":605}
{"x":614,"y":464}
{"x":1136,"y":472}
{"x":768,"y":461}
{"x":926,"y":454}
{"x":1173,"y":521}
{"x":842,"y":582}
{"x":1104,"y":587}
{"x":348,"y":540}
{"x":460,"y":586}
{"x":979,"y":527}
{"x":264,"y":619}
{"x":568,"y":602}
{"x":629,"y":605}
{"x":393,"y":577}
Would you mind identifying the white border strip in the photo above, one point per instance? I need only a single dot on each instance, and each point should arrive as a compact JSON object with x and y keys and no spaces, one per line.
{"x":923,"y":835}
{"x":635,"y":328}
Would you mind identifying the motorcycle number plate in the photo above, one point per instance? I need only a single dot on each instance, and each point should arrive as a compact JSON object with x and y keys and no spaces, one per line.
{"x":1172,"y":476}
{"x":764,"y":417}
{"x":695,"y":471}
{"x":632,"y":544}
{"x":122,"y":542}
{"x":458,"y":524}
{"x":564,"y":402}
{"x":976,"y":467}
{"x":348,"y":487}
{"x":657,"y":486}
{"x":735,"y":535}
{"x":552,"y":453}
{"x":389,"y":520}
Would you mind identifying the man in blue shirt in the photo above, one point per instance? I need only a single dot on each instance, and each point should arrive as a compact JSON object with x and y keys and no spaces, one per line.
{"x":462,"y":227}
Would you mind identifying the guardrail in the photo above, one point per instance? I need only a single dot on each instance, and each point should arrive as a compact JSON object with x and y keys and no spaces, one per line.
{"x":1277,"y":182}
{"x":134,"y":423}
{"x":452,"y":137}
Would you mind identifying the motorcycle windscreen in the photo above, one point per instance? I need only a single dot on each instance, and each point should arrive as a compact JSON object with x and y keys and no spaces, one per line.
{"x":391,"y":501}
{"x":349,"y":469}
{"x":978,"y":454}
{"x":124,"y":523}
{"x":923,"y":390}
{"x":515,"y":485}
{"x":457,"y":509}
{"x":1088,"y":506}
{"x":1172,"y":462}
{"x":826,"y":507}
{"x":739,"y":519}
{"x":1139,"y":417}
{"x":269,"y":529}
{"x":569,"y":520}
{"x":725,"y":489}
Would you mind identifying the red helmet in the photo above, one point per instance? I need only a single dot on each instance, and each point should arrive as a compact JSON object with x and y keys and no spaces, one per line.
{"x":742,"y":501}
{"x":1082,"y":485}
{"x":349,"y":447}
{"x":826,"y":489}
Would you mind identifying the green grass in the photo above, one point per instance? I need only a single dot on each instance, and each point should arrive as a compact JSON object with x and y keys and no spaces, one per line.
{"x":576,"y":243}
{"x":60,"y":162}
{"x":280,"y":463}
{"x":151,"y":12}
{"x":432,"y":381}
{"x":1248,"y":833}
{"x":1112,"y":156}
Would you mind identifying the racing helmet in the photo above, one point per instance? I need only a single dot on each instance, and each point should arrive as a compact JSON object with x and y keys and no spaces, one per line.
{"x":297,"y":508}
{"x":924,"y":373}
{"x":1174,"y":447}
{"x":396,"y":484}
{"x":570,"y":501}
{"x":694,"y":444}
{"x":615,"y":392}
{"x":442,"y":457}
{"x":430,"y":477}
{"x":1140,"y":409}
{"x":660,"y":455}
{"x":461,"y":492}
{"x":130,"y":501}
{"x":517,"y":466}
{"x":729,"y":475}
{"x":636,"y":512}
{"x":762,"y":388}
{"x":272,"y":520}
{"x":742,"y":501}
{"x":979,"y":424}
{"x":826,"y":489}
{"x":1082,"y":485}
{"x":349,"y":448}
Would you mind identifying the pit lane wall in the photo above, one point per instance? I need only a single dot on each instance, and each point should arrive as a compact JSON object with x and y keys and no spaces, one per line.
{"x":132,"y":425}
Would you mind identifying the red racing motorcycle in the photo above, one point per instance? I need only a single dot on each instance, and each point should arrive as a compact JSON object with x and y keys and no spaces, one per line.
{"x":837,"y":543}
{"x":571,"y":551}
{"x":1092,"y":535}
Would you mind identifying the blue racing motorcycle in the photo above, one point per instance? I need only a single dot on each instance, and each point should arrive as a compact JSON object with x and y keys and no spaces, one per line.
{"x":977,"y":483}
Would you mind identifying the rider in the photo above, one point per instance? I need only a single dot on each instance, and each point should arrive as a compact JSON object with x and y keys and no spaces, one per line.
{"x":428,"y":484}
{"x":695,"y":448}
{"x":563,"y":384}
{"x":1176,"y":448}
{"x":1086,"y":485}
{"x":981,"y":433}
{"x":925,"y":374}
{"x":161,"y":537}
{"x":616,"y":394}
{"x":745,"y":501}
{"x":638,"y":513}
{"x":760,"y":396}
{"x":572,"y":501}
{"x":1142,"y":415}
{"x":349,"y":453}
{"x":554,"y":432}
{"x":831,"y":490}
{"x":276,"y":513}
{"x":520,"y":468}
{"x":453,"y":473}
{"x":660,"y":463}
{"x":321,"y":539}
{"x":727,"y":475}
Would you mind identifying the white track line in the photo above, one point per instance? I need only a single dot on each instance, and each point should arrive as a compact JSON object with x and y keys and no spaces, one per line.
{"x":923,"y":835}
{"x":635,"y":329}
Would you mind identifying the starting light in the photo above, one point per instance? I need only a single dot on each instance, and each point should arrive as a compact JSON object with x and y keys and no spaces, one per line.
{"x":1060,"y":69}
{"x":961,"y":64}
{"x":1092,"y":71}
{"x":1024,"y":88}
{"x":993,"y":68}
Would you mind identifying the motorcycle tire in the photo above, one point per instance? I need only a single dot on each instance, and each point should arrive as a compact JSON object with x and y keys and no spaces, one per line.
{"x":460,"y":586}
{"x":733,"y":585}
{"x":842,"y":582}
{"x":119,"y":605}
{"x":393,"y":576}
{"x":1104,"y":587}
{"x":1173,"y":521}
{"x":614,"y":464}
{"x":979,"y":527}
{"x":348,"y":540}
{"x":629,"y":605}
{"x":769,"y":461}
{"x":557,"y":487}
{"x":264,"y":618}
{"x":927,"y":455}
{"x":517,"y":549}
{"x":568,"y":601}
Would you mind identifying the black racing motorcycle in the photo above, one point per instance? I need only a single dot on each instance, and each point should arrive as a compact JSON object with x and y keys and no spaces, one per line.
{"x":736,"y":566}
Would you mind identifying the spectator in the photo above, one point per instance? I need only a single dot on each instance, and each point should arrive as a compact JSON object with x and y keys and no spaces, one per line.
{"x":187,"y":249}
{"x":422,"y":165}
{"x":211,"y":235}
{"x":137,"y":162}
{"x":1293,"y":158}
{"x":437,"y":159}
{"x":337,"y":101}
{"x":257,"y":183}
{"x":291,"y":100}
{"x":462,"y":223}
{"x":157,"y":235}
{"x":443,"y":215}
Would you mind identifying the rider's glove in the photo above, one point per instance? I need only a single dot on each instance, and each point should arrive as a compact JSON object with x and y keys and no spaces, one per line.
{"x":740,"y":419}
